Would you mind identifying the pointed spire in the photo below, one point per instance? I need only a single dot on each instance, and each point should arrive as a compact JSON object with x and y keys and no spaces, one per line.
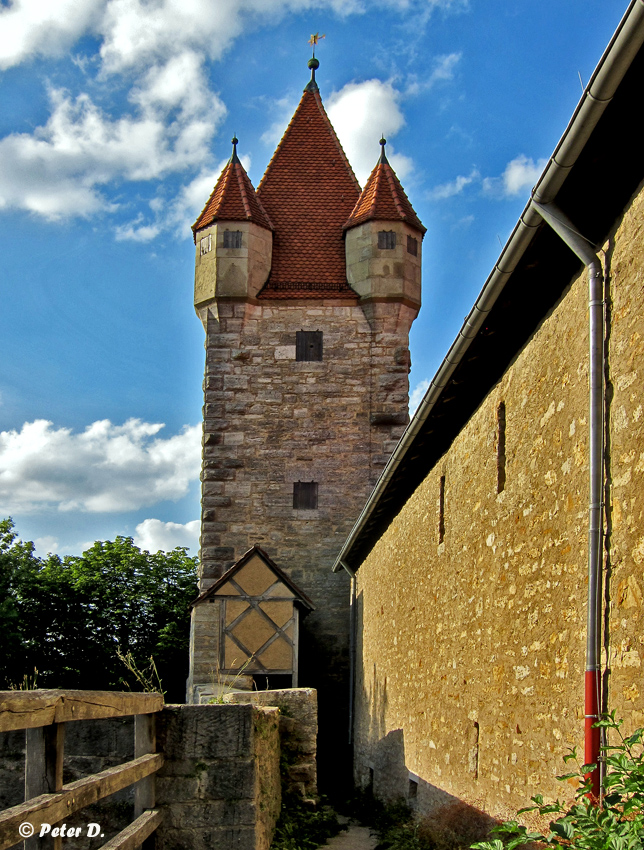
{"x":235,"y":142}
{"x":383,"y":155}
{"x":308,"y":190}
{"x":383,"y":198}
{"x":233,"y":198}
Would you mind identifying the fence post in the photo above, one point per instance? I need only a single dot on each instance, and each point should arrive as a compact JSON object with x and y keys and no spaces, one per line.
{"x":44,"y":754}
{"x":145,"y":741}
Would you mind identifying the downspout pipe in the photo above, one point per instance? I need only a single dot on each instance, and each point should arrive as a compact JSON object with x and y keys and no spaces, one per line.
{"x":585,"y":251}
{"x":352,"y":649}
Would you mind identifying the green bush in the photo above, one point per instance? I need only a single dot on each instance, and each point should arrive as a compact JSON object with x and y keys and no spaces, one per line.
{"x":302,"y":828}
{"x":69,"y":618}
{"x":614,"y":823}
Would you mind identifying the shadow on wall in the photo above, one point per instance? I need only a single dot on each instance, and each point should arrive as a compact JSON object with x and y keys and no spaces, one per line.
{"x":446,"y":822}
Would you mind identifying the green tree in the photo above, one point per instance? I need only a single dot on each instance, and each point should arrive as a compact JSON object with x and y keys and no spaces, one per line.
{"x":71,"y":615}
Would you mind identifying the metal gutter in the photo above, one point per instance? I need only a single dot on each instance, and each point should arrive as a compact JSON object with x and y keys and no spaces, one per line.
{"x":621,"y":50}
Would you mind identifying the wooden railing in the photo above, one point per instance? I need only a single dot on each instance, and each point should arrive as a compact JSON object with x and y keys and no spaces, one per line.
{"x":43,"y":715}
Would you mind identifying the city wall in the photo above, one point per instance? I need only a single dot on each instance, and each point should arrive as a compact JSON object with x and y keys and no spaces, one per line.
{"x":472,"y":605}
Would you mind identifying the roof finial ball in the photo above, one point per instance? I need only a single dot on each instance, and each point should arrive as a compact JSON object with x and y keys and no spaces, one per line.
{"x":234,"y":142}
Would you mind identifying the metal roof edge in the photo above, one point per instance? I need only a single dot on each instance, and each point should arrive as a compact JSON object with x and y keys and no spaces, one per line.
{"x":608,"y":74}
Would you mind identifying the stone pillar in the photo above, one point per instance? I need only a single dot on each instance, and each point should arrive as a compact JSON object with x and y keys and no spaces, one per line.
{"x":298,"y":727}
{"x":220,"y":785}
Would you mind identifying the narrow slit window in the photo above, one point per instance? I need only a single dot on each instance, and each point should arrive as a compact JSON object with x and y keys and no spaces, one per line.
{"x":305,"y":495}
{"x":386,"y":239}
{"x":500,"y":449}
{"x":308,"y":345}
{"x":412,"y":246}
{"x":232,"y":238}
{"x":441,"y":510}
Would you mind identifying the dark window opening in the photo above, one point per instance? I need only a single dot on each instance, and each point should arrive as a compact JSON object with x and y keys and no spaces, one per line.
{"x":441,"y":510}
{"x":474,"y":755}
{"x":500,"y":449}
{"x":412,"y":246}
{"x":232,"y":238}
{"x":305,"y":495}
{"x":413,"y":789}
{"x":308,"y":345}
{"x":386,"y":239}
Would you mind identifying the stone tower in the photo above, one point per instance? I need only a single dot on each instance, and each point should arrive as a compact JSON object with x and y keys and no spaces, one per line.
{"x":307,"y":289}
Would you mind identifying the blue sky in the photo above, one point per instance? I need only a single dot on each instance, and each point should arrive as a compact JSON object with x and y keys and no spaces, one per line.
{"x":116,"y":120}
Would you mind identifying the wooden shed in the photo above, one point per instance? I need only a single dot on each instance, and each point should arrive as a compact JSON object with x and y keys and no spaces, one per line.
{"x":259,"y":613}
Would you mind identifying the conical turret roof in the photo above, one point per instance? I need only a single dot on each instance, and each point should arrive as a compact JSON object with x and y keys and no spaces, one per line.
{"x":384,"y":199}
{"x":308,"y":191}
{"x":233,"y":199}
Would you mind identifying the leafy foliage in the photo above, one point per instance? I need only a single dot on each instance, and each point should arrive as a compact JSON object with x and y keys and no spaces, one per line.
{"x":617,"y":823}
{"x":69,"y":617}
{"x":301,"y":828}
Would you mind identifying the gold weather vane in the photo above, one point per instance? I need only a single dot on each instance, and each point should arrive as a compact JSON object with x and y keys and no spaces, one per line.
{"x":315,"y":37}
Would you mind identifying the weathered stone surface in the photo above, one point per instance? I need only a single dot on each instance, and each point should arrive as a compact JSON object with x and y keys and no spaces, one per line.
{"x":298,"y":726}
{"x":470,"y":667}
{"x":220,"y":784}
{"x":283,"y":421}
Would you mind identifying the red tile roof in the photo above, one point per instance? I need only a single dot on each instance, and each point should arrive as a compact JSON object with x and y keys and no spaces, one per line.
{"x":233,"y":199}
{"x":308,"y":191}
{"x":384,"y":199}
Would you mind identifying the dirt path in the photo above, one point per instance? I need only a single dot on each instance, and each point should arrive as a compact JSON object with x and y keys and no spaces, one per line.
{"x":355,"y":838}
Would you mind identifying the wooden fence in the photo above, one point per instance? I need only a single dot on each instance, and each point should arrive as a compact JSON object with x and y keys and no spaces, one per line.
{"x":43,"y":715}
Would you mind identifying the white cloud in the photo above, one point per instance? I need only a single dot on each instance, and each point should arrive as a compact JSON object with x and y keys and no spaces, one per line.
{"x":106,"y":468}
{"x":416,"y":395}
{"x":360,"y":114}
{"x":155,"y":535}
{"x":155,"y":54}
{"x":137,"y":32}
{"x":444,"y":69}
{"x":43,"y":27}
{"x":520,"y":175}
{"x":453,"y":187}
{"x":57,"y":170}
{"x":46,"y":545}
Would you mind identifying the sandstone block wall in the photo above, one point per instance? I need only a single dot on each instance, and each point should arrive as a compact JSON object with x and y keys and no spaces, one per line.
{"x":298,"y":726}
{"x":270,"y":421}
{"x":220,"y":784}
{"x":471,"y":647}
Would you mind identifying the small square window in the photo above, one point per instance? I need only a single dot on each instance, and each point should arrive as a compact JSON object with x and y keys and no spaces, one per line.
{"x":305,"y":495}
{"x":386,"y":239}
{"x":412,"y":246}
{"x":308,"y":345}
{"x":232,"y":238}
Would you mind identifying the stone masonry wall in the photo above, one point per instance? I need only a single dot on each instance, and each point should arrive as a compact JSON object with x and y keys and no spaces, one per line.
{"x":270,"y":421}
{"x":298,"y":725}
{"x":220,"y":785}
{"x":471,"y":649}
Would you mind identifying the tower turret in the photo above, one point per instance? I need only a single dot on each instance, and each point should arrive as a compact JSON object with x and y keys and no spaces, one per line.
{"x":384,"y":241}
{"x":233,"y":239}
